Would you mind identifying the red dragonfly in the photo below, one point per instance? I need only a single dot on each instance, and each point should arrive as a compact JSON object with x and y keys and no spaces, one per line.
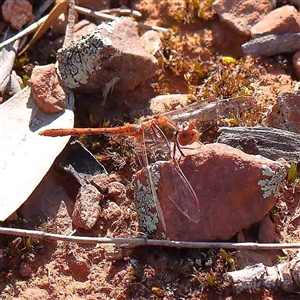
{"x":156,"y":132}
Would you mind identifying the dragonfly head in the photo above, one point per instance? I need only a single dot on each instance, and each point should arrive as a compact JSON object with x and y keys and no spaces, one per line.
{"x":187,"y":133}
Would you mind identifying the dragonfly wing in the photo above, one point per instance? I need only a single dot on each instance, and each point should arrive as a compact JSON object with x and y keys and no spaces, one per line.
{"x":153,"y":184}
{"x":183,"y":195}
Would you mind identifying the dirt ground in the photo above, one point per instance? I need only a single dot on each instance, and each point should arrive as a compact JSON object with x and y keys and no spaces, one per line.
{"x":36,"y":269}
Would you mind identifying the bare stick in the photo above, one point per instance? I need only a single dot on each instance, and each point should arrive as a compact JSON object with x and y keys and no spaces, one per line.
{"x":122,"y":12}
{"x":107,"y":17}
{"x":135,"y":242}
{"x":71,"y":23}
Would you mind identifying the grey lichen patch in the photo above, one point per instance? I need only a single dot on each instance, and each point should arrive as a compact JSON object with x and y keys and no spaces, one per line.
{"x":271,"y":185}
{"x":145,"y":202}
{"x":81,"y":58}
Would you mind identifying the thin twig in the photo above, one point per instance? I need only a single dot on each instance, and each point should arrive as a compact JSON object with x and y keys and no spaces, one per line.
{"x":122,"y":12}
{"x":136,"y":242}
{"x":71,"y":23}
{"x":106,"y":17}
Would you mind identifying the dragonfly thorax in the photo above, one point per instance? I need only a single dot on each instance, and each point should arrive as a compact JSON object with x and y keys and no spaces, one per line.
{"x":187,"y":133}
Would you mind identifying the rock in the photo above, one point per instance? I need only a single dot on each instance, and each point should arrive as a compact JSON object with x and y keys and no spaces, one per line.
{"x":234,"y":190}
{"x":49,"y":201}
{"x":285,"y":19}
{"x":101,"y":181}
{"x":111,"y":57}
{"x":94,"y":4}
{"x":161,"y":103}
{"x":59,"y":26}
{"x":264,"y":141}
{"x":81,"y":29}
{"x":47,"y":90}
{"x":25,"y":270}
{"x":242,"y":14}
{"x":116,"y":192}
{"x":114,"y":218}
{"x":296,"y":62}
{"x":17,"y":12}
{"x":272,"y":44}
{"x":285,"y":113}
{"x":79,"y":264}
{"x":87,"y":208}
{"x":151,"y":41}
{"x":266,"y":233}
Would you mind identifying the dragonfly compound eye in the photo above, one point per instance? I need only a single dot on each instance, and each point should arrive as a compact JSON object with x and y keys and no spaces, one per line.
{"x":187,"y":134}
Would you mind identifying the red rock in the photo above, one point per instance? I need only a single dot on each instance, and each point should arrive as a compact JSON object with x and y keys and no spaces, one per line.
{"x":17,"y":12}
{"x":266,"y":232}
{"x":47,"y":90}
{"x":116,"y":192}
{"x":285,"y":19}
{"x":110,"y":58}
{"x":94,"y":4}
{"x":234,"y":189}
{"x":25,"y":270}
{"x":285,"y":113}
{"x":78,"y":263}
{"x":151,"y":41}
{"x":296,"y":62}
{"x":242,"y":14}
{"x":114,"y":219}
{"x":101,"y":181}
{"x":87,"y":208}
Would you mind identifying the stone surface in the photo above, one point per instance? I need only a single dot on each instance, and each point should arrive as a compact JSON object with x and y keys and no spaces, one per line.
{"x":17,"y":12}
{"x":281,"y":20}
{"x":116,"y":192}
{"x":151,"y":41}
{"x":59,"y":26}
{"x":266,"y":233}
{"x":111,"y":57}
{"x":242,"y":14}
{"x":234,"y":190}
{"x":272,"y":44}
{"x":49,"y":201}
{"x":285,"y":113}
{"x":296,"y":63}
{"x":78,"y":263}
{"x":101,"y":181}
{"x":25,"y":270}
{"x":47,"y":90}
{"x":87,"y":208}
{"x":81,"y":29}
{"x":161,"y":103}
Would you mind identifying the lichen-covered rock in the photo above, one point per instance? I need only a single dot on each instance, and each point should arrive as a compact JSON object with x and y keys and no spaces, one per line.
{"x":234,"y":189}
{"x":285,"y":113}
{"x":109,"y":58}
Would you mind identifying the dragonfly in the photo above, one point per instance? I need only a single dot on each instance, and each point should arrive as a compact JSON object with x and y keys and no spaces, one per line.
{"x":154,"y":134}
